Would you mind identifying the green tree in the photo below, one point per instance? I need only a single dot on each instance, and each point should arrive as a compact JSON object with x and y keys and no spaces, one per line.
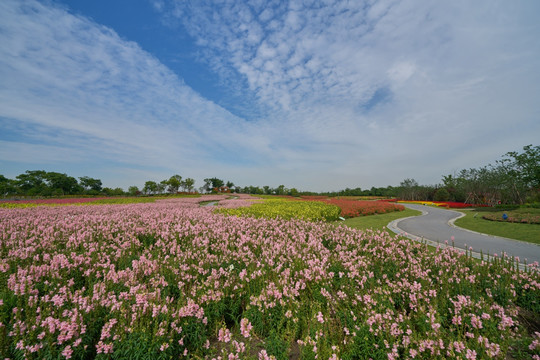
{"x":527,"y":165}
{"x":207,"y":187}
{"x":188,"y":184}
{"x":150,"y":187}
{"x":212,"y":183}
{"x":409,"y":189}
{"x":62,"y":184}
{"x":91,"y":185}
{"x":161,"y":186}
{"x":7,"y":186}
{"x":113,"y":192}
{"x":174,"y":183}
{"x":441,"y":195}
{"x":217,"y":183}
{"x":519,"y":175}
{"x":280,"y":190}
{"x":133,"y":191}
{"x":32,"y":182}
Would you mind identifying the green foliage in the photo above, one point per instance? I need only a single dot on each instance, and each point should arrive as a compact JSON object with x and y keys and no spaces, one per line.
{"x":174,"y":183}
{"x":276,"y":346}
{"x":514,"y":179}
{"x":188,"y":183}
{"x":147,"y":240}
{"x":133,"y":191}
{"x":90,"y":184}
{"x":150,"y":187}
{"x":441,"y":195}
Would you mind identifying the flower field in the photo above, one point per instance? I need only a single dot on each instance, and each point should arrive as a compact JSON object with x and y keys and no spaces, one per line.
{"x":171,"y":279}
{"x":445,"y":204}
{"x":75,"y":201}
{"x":287,"y":209}
{"x":352,"y":207}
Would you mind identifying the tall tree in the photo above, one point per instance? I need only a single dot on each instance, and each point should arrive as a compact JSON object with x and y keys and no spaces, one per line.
{"x":161,"y":186}
{"x":188,"y":184}
{"x":32,"y":182}
{"x":133,"y":190}
{"x":91,"y":184}
{"x":62,"y":184}
{"x":409,"y":189}
{"x":150,"y":187}
{"x":212,"y":183}
{"x":174,"y":183}
{"x":7,"y":186}
{"x":281,"y":190}
{"x":527,"y":165}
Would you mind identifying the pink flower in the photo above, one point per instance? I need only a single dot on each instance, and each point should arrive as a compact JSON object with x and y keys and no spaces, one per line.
{"x":245,"y":327}
{"x":320,"y":317}
{"x":263,"y":355}
{"x":67,"y":352}
{"x":470,"y":355}
{"x":224,"y":335}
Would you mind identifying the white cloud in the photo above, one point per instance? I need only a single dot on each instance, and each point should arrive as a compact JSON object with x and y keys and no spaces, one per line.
{"x":401,"y":72}
{"x":343,"y":93}
{"x":457,"y":72}
{"x":70,"y":76}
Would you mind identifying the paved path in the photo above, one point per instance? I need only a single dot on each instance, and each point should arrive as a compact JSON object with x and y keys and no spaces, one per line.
{"x":437,"y":225}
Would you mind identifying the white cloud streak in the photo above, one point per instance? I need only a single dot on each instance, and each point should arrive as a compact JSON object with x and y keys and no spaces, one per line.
{"x":68,"y":75}
{"x":456,"y":75}
{"x":342,"y":93}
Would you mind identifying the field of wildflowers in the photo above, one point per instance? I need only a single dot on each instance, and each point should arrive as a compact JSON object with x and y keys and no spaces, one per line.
{"x":287,"y":209}
{"x":351,"y":206}
{"x":171,"y":279}
{"x":445,"y":204}
{"x":10,"y":204}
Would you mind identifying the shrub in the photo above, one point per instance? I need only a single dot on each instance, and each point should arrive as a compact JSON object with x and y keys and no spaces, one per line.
{"x":441,"y":195}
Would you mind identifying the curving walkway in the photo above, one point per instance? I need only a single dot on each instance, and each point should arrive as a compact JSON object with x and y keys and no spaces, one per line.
{"x":436,"y":226}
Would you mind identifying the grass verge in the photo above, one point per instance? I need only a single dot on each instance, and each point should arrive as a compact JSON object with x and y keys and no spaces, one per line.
{"x":378,"y":221}
{"x":524,"y":232}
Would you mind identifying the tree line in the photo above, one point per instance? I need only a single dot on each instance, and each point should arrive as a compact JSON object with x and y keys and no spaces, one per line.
{"x":40,"y":183}
{"x":50,"y":183}
{"x":515,"y":179}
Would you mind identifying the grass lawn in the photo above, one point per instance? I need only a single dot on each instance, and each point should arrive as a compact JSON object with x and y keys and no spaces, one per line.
{"x":524,"y":232}
{"x":378,"y":221}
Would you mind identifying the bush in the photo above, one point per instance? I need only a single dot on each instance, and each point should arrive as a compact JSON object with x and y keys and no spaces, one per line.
{"x":441,"y":195}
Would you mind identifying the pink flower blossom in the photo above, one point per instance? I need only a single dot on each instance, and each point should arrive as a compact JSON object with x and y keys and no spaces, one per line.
{"x":67,"y":352}
{"x":245,"y":327}
{"x":320,"y":317}
{"x":470,"y":355}
{"x":224,"y":335}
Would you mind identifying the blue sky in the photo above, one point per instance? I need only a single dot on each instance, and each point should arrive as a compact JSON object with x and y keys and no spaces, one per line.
{"x":317,"y":95}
